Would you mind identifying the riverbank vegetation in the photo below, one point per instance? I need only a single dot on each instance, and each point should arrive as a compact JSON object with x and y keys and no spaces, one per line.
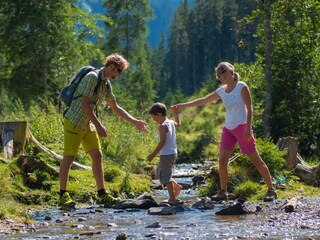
{"x":127,"y":173}
{"x":39,"y":54}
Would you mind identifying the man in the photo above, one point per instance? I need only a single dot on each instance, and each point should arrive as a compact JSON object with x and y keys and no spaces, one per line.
{"x":81,"y":125}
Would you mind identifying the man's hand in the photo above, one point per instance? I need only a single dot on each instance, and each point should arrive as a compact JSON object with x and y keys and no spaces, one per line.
{"x":141,"y":125}
{"x":102,"y":131}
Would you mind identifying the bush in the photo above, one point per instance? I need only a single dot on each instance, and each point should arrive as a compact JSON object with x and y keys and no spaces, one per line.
{"x":112,"y":173}
{"x":246,"y":189}
{"x":270,"y":154}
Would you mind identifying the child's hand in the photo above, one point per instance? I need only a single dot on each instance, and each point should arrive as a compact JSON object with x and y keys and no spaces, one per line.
{"x":178,"y":107}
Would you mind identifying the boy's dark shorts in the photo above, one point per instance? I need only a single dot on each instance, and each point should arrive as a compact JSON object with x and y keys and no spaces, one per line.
{"x":165,"y":168}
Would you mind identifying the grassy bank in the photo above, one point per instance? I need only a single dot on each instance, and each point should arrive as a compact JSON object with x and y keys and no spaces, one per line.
{"x":127,"y":173}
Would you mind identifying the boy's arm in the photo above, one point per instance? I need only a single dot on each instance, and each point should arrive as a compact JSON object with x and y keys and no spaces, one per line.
{"x":175,"y":112}
{"x":162,"y":133}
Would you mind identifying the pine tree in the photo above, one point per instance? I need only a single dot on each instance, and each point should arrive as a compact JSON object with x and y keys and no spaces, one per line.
{"x":127,"y":36}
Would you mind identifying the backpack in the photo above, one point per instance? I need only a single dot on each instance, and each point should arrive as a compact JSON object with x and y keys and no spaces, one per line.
{"x":66,"y":95}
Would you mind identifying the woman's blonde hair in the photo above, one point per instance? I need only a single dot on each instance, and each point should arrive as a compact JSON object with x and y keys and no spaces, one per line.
{"x":225,"y":66}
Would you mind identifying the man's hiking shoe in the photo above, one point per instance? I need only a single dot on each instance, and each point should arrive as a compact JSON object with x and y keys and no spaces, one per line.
{"x":66,"y":203}
{"x":271,"y":195}
{"x":220,"y":196}
{"x":107,"y":200}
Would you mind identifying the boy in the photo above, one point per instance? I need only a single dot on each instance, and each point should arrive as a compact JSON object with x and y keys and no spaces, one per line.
{"x":168,"y":149}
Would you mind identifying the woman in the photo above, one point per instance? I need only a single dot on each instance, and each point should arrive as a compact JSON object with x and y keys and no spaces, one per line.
{"x":236,"y":98}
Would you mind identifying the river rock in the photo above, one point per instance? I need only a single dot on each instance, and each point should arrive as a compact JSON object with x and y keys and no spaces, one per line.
{"x":239,"y":208}
{"x":162,"y":211}
{"x":181,"y":208}
{"x":154,"y":225}
{"x":122,"y":236}
{"x":204,"y":204}
{"x":134,"y":203}
{"x":198,"y":180}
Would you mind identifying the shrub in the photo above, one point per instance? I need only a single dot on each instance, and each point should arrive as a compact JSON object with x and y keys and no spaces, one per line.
{"x":246,"y":189}
{"x":112,"y":173}
{"x":271,"y":155}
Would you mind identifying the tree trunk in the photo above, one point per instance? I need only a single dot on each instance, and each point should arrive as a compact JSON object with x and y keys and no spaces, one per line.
{"x":295,"y":163}
{"x":268,"y":69}
{"x":13,"y":138}
{"x":291,"y":144}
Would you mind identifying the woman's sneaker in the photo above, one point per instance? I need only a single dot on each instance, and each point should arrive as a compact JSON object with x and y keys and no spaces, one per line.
{"x":220,"y":196}
{"x":107,"y":200}
{"x":66,"y":203}
{"x":271,"y":195}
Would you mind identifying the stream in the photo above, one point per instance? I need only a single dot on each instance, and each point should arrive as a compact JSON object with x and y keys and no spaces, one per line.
{"x":94,"y":222}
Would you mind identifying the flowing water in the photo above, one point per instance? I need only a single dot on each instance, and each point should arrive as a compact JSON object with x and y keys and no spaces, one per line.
{"x":100,"y":223}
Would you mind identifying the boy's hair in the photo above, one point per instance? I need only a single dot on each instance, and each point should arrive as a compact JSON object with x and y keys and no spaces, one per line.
{"x":158,"y":108}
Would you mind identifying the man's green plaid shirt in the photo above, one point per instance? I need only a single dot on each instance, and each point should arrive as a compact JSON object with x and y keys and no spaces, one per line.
{"x":86,"y":88}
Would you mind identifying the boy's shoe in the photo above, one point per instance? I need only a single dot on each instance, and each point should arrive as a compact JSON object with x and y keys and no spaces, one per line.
{"x":271,"y":195}
{"x":107,"y":200}
{"x":66,"y":203}
{"x":220,"y":196}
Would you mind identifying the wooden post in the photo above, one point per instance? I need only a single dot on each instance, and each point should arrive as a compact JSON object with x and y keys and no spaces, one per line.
{"x":13,"y":138}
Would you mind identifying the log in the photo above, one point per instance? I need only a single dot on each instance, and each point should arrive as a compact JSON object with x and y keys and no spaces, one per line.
{"x":295,"y":163}
{"x":3,"y":160}
{"x":291,"y":205}
{"x":29,"y":163}
{"x":13,"y":138}
{"x":54,"y":155}
{"x":306,"y":174}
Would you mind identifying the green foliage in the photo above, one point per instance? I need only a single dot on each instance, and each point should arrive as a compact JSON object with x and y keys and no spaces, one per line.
{"x":13,"y":111}
{"x":47,"y":125}
{"x":270,"y":154}
{"x":125,"y":143}
{"x":243,"y":176}
{"x":127,"y":35}
{"x":211,"y":188}
{"x":112,"y":173}
{"x":200,"y":127}
{"x":195,"y":47}
{"x":53,"y":41}
{"x":39,"y":179}
{"x":8,"y":205}
{"x":246,"y":189}
{"x":295,"y":74}
{"x":253,"y":76}
{"x":173,"y":97}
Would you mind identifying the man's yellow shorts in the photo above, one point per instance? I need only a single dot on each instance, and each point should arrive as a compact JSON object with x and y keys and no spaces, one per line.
{"x":73,"y":136}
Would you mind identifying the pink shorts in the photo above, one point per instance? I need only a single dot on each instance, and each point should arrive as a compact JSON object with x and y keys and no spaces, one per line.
{"x":230,"y":138}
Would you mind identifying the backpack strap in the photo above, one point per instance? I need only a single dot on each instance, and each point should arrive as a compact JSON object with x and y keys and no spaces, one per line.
{"x":99,"y":73}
